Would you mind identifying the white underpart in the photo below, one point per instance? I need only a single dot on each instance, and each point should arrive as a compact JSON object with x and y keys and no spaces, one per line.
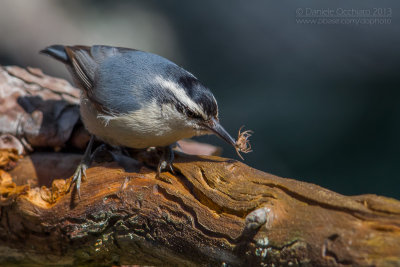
{"x":153,"y":125}
{"x":180,"y":94}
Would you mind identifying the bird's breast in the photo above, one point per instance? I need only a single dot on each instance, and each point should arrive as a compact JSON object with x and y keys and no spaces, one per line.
{"x":152,"y":125}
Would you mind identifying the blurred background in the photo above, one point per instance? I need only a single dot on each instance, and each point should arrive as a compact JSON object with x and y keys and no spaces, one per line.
{"x":322,"y":98}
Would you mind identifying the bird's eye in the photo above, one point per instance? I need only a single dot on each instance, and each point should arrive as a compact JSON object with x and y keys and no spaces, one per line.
{"x":192,"y":114}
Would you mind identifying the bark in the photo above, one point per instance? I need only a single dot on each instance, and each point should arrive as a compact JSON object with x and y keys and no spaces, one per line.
{"x":213,"y":211}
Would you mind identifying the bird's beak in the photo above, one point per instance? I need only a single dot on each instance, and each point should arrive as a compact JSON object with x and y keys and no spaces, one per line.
{"x":217,"y":129}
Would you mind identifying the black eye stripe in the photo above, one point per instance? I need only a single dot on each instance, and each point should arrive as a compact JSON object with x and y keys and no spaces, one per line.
{"x":192,"y":114}
{"x":197,"y":93}
{"x":187,"y":111}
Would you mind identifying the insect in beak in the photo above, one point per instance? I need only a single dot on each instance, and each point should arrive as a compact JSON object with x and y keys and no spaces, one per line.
{"x":242,"y":145}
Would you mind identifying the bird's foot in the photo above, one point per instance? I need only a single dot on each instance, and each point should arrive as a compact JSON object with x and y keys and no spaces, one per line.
{"x":166,"y":160}
{"x":80,"y":171}
{"x":165,"y":165}
{"x":78,"y":176}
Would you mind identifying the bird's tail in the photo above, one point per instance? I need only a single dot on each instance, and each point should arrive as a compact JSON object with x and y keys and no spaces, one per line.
{"x":58,"y":52}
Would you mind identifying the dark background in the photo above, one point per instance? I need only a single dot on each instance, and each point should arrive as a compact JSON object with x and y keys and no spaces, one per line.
{"x":323,"y":100}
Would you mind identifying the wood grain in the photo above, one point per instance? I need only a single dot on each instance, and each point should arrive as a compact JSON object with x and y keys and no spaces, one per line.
{"x":212,"y":212}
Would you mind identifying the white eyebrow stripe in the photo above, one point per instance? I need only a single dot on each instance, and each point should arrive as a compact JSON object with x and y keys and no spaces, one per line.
{"x":180,"y":94}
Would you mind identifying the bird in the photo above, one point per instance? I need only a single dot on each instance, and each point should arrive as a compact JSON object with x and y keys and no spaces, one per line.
{"x":136,"y":99}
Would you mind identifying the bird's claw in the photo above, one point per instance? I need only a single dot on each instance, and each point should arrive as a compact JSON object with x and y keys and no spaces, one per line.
{"x":80,"y":171}
{"x":78,"y":176}
{"x":165,"y":165}
{"x":166,"y":161}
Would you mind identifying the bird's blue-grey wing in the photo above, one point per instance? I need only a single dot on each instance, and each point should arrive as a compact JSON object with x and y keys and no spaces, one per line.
{"x":83,"y":63}
{"x":130,"y":79}
{"x":86,"y":64}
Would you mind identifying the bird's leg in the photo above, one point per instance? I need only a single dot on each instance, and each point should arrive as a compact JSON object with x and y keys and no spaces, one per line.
{"x":81,"y":169}
{"x":166,"y":160}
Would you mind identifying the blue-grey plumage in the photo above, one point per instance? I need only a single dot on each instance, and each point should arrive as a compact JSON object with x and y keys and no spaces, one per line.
{"x":137,"y":99}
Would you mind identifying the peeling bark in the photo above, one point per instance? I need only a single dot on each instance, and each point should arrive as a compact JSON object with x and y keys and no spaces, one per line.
{"x":213,"y":211}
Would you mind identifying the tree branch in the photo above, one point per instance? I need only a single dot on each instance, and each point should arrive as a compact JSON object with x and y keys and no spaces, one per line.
{"x":213,"y":211}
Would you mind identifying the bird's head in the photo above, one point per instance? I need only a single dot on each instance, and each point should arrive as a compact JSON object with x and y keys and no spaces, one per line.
{"x":196,"y":105}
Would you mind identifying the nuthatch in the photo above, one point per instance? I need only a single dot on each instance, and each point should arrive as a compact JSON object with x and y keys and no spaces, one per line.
{"x":137,"y":99}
